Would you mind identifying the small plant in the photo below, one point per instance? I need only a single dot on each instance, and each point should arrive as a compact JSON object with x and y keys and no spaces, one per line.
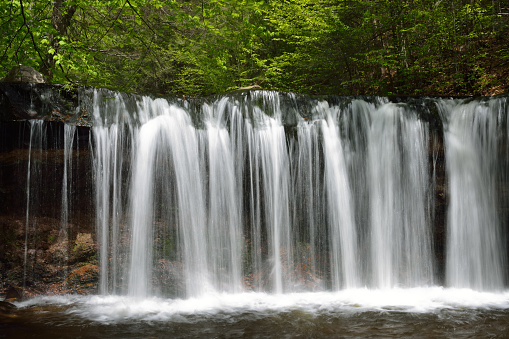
{"x":52,"y":239}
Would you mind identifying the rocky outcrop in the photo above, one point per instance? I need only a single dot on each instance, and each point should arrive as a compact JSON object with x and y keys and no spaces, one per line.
{"x":23,"y":73}
{"x":24,"y":100}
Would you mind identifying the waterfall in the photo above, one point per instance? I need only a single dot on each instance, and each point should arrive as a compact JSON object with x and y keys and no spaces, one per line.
{"x":224,"y":214}
{"x":271,"y":150}
{"x":269,"y":192}
{"x":475,"y":249}
{"x":69,"y":131}
{"x":400,"y":237}
{"x":309,"y":206}
{"x":343,"y":237}
{"x":36,"y":141}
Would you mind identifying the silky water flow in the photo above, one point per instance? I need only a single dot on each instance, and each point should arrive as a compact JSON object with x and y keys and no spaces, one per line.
{"x":264,"y":203}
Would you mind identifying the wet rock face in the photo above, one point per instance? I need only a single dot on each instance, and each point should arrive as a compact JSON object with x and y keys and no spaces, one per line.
{"x":51,"y":257}
{"x":23,"y":101}
{"x":40,"y":252}
{"x":24,"y":74}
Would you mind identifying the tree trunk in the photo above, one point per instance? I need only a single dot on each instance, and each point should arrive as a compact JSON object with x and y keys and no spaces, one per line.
{"x":60,"y":20}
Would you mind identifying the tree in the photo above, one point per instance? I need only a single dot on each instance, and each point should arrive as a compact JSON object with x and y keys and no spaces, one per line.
{"x":61,"y":17}
{"x":202,"y":47}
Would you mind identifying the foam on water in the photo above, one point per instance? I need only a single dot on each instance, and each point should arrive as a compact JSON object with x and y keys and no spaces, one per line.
{"x":113,"y":309}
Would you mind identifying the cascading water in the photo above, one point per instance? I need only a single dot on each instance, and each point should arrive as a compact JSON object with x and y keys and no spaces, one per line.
{"x":342,"y":231}
{"x":69,"y":132}
{"x":476,"y":255}
{"x":303,"y":202}
{"x":37,"y":140}
{"x":224,"y":213}
{"x":270,"y":150}
{"x":398,"y":178}
{"x":260,"y":205}
{"x":228,"y":199}
{"x":309,"y":207}
{"x":110,"y":139}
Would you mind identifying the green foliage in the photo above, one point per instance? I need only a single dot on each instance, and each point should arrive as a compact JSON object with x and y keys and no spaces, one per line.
{"x":201,"y":47}
{"x":384,"y":47}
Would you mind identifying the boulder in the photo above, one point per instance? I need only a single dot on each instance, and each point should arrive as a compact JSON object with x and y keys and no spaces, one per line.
{"x":23,"y":73}
{"x":14,"y":293}
{"x":6,"y":307}
{"x":84,"y":248}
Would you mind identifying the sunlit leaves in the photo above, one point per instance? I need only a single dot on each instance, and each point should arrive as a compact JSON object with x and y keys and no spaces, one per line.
{"x":200,"y":47}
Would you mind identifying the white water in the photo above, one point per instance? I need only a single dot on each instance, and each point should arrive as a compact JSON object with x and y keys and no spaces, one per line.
{"x":398,"y":178}
{"x":343,"y":236}
{"x":221,"y":306}
{"x":271,"y":153}
{"x":475,"y":249}
{"x":111,"y":136}
{"x":224,"y":210}
{"x":244,"y":194}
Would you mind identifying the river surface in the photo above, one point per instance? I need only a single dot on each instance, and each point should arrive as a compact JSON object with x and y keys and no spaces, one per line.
{"x":359,"y":313}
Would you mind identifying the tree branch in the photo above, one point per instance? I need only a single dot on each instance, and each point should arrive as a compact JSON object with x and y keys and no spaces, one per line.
{"x":30,"y":32}
{"x":111,"y":26}
{"x":138,"y":14}
{"x":10,"y":42}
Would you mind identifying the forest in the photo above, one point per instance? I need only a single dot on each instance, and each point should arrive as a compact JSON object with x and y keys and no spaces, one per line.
{"x":204,"y":47}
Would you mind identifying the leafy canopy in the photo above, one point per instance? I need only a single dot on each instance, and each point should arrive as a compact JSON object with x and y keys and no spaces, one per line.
{"x":201,"y":47}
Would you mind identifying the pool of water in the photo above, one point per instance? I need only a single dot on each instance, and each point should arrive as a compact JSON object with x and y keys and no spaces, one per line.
{"x":424,"y":312}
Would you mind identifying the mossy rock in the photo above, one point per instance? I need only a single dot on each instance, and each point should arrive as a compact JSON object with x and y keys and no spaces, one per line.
{"x":84,"y":248}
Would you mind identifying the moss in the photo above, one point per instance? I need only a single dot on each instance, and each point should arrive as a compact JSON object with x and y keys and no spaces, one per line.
{"x":84,"y":247}
{"x":52,"y":239}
